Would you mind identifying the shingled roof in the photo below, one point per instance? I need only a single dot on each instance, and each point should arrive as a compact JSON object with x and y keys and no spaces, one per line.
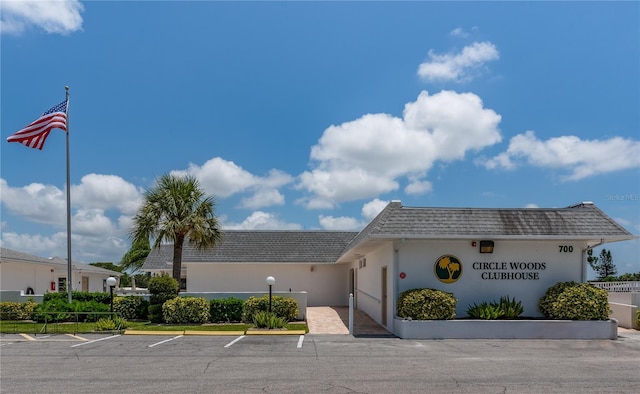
{"x":239,"y":246}
{"x":10,"y":255}
{"x":582,"y":221}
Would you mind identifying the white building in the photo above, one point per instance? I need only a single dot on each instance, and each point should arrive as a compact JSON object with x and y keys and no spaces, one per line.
{"x":31,"y":274}
{"x":475,"y":253}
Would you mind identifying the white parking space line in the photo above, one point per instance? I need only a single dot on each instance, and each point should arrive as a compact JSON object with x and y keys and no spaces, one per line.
{"x":95,"y":340}
{"x":234,"y":341}
{"x":300,"y":340}
{"x":165,"y":341}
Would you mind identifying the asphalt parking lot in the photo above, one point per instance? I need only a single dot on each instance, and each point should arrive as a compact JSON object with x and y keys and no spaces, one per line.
{"x":314,"y":363}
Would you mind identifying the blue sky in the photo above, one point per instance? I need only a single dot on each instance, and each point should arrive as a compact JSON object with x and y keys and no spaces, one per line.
{"x":314,"y":115}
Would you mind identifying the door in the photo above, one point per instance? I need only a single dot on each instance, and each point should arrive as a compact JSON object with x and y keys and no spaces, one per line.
{"x":352,"y":287}
{"x":85,"y":283}
{"x":383,"y":300}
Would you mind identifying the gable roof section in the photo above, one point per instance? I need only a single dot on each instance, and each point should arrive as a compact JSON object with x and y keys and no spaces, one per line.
{"x":581,"y":222}
{"x":238,"y":246}
{"x":10,"y":255}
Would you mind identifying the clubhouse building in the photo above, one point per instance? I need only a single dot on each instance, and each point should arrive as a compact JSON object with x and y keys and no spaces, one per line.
{"x":477,"y":254}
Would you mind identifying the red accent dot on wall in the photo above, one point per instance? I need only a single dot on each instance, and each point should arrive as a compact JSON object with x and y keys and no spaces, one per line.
{"x":403,"y":275}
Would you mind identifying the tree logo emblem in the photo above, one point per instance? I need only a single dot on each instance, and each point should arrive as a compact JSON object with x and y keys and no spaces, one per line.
{"x":447,"y":268}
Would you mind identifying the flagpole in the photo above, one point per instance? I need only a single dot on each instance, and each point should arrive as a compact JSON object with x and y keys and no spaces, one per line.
{"x":69,"y":280}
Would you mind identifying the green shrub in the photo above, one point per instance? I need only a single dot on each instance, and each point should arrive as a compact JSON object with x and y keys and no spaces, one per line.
{"x":268,"y":320}
{"x":155,"y":313}
{"x":226,"y":310}
{"x":131,"y":307}
{"x":54,"y":310}
{"x":162,"y":288}
{"x":185,"y":310}
{"x":575,"y":301}
{"x":104,"y":298}
{"x":59,"y":310}
{"x":17,"y":310}
{"x":486,"y":311}
{"x":551,"y":295}
{"x":85,"y":310}
{"x":510,"y":307}
{"x":637,"y":320}
{"x":506,"y":308}
{"x":285,"y":308}
{"x":426,"y":304}
{"x":111,"y":324}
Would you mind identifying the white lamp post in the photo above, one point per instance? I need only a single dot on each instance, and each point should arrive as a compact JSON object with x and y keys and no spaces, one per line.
{"x":270,"y":281}
{"x":111,"y":282}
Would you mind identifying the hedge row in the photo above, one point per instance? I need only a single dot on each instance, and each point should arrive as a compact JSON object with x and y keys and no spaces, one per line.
{"x":177,"y":310}
{"x":564,"y":300}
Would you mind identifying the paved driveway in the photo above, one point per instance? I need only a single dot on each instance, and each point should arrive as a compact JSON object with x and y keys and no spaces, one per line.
{"x":315,"y":363}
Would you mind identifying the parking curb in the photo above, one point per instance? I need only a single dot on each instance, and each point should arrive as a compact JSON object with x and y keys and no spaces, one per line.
{"x":214,"y":333}
{"x":271,"y":332}
{"x":141,"y":332}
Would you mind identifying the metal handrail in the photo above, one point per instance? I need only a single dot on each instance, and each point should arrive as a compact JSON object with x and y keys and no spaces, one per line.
{"x":369,"y":295}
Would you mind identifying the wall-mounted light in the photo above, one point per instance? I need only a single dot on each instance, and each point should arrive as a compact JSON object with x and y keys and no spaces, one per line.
{"x":474,"y":244}
{"x":486,"y":246}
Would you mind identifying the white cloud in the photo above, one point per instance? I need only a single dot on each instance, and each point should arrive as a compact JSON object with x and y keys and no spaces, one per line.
{"x":459,"y":32}
{"x":531,"y":206}
{"x":343,"y":223}
{"x":371,"y":209}
{"x":222,"y":178}
{"x":580,"y":158}
{"x":84,"y":249}
{"x":263,"y":198}
{"x":55,"y":17}
{"x":35,"y":202}
{"x":106,"y":192}
{"x":94,"y":233}
{"x":418,"y":187}
{"x":260,"y":220}
{"x":458,"y":66}
{"x":365,"y":157}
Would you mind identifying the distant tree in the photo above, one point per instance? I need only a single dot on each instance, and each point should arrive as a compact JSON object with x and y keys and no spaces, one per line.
{"x":124,"y":278}
{"x":603,"y":264}
{"x":106,"y":265}
{"x":176,"y":210}
{"x":629,"y":277}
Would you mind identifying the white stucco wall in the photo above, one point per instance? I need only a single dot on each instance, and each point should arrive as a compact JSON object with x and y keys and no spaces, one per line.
{"x":417,"y":258}
{"x":369,"y":285}
{"x":326,"y":285}
{"x":15,"y":276}
{"x":20,"y":276}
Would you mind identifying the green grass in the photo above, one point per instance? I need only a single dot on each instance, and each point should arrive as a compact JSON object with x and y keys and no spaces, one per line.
{"x":27,"y":327}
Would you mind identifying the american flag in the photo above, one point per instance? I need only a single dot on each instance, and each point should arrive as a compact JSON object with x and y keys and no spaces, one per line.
{"x":35,"y":134}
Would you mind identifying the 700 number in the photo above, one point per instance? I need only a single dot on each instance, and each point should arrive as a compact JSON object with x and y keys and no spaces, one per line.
{"x":565,"y":248}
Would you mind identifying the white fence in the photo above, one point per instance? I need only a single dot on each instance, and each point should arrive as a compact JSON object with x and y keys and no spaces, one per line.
{"x":619,"y":287}
{"x":624,"y":301}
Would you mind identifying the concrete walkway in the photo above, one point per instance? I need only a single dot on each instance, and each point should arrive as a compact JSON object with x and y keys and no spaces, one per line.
{"x":335,"y":320}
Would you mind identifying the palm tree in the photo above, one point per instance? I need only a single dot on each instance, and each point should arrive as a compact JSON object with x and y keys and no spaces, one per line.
{"x":134,"y":259}
{"x":176,"y":210}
